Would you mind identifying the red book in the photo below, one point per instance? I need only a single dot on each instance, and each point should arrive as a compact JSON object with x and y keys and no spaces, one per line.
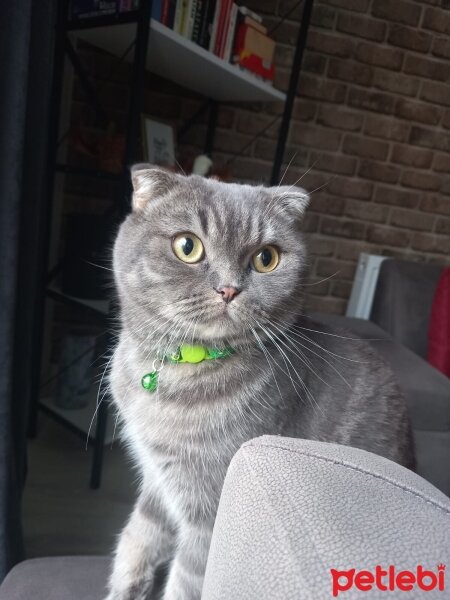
{"x":226,"y":26}
{"x":220,"y":26}
{"x":165,"y":12}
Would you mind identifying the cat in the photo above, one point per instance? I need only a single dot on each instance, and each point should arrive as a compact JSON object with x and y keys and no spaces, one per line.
{"x":219,"y":270}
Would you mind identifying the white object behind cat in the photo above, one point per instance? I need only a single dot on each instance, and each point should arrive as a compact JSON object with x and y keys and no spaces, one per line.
{"x":202,"y":165}
{"x":363,"y":290}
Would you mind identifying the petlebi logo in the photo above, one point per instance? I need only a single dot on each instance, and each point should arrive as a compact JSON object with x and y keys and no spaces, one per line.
{"x":388,"y":580}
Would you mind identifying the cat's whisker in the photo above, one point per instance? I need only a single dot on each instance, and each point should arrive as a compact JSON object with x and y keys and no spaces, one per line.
{"x":295,"y":344}
{"x":324,"y":185}
{"x":97,"y":402}
{"x":305,"y":338}
{"x":297,"y":352}
{"x":271,"y":336}
{"x":321,"y":280}
{"x":267,"y":356}
{"x":286,"y":360}
{"x":287,"y":168}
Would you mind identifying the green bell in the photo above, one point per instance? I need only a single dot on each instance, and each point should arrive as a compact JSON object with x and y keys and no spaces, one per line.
{"x":150,"y":381}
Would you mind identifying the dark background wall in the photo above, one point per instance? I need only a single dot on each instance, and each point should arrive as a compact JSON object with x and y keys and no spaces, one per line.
{"x":371,"y":125}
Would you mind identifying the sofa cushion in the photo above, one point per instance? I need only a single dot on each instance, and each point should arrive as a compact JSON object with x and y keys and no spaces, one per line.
{"x":427,"y":391}
{"x":57,"y":578}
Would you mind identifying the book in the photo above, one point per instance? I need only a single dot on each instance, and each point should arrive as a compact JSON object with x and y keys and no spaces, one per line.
{"x":225,"y":28}
{"x":221,"y":26}
{"x":185,"y":18}
{"x":168,"y":13}
{"x":254,"y":51}
{"x":241,"y":18}
{"x":206,"y":25}
{"x":214,"y":25}
{"x":82,"y":9}
{"x":229,"y":42}
{"x":156,"y":10}
{"x":249,"y":13}
{"x":197,"y":21}
{"x":179,"y":16}
{"x":191,"y":10}
{"x":165,"y":12}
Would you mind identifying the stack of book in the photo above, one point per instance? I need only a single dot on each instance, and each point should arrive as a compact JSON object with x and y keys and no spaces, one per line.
{"x":234,"y":33}
{"x":84,"y":9}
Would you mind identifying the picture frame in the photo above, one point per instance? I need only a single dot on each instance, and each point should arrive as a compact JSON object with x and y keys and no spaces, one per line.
{"x":158,"y":142}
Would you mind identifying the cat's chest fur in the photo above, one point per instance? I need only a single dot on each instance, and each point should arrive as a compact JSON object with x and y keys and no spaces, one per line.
{"x":185,"y":433}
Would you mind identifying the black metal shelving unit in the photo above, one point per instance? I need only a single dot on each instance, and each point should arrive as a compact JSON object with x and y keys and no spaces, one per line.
{"x":122,"y":192}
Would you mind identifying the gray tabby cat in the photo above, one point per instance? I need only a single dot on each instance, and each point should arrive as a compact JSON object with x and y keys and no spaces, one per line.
{"x":222,"y":266}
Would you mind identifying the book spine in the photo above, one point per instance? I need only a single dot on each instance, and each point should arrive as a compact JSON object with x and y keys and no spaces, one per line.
{"x":231,"y":33}
{"x":215,"y":24}
{"x":198,"y":21}
{"x":220,"y":27}
{"x":156,"y":10}
{"x":226,"y":25}
{"x":177,"y":21}
{"x":206,"y":28}
{"x":172,"y":11}
{"x":85,"y":9}
{"x":192,"y":10}
{"x":165,"y":12}
{"x":185,"y":17}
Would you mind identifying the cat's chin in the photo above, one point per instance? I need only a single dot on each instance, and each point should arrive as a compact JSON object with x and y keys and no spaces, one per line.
{"x":221,"y":330}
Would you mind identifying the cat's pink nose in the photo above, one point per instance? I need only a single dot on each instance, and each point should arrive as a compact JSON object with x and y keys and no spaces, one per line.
{"x":227,"y":292}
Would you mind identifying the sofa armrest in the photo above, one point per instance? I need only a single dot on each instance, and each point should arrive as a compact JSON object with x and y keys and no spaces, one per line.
{"x":291,"y":510}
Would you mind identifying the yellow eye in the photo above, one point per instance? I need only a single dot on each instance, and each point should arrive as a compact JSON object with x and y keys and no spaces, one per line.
{"x":188,"y":248}
{"x":266,"y":259}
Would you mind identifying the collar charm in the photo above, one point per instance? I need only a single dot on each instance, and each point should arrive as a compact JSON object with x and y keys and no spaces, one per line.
{"x":185,"y":354}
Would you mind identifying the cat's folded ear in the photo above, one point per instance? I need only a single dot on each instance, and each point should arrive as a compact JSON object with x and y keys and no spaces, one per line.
{"x":291,"y":199}
{"x":150,"y":182}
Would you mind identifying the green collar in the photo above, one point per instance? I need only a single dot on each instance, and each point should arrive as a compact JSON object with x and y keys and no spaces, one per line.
{"x":185,"y":354}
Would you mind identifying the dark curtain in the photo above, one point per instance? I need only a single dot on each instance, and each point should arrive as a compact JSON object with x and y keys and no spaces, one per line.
{"x":26,"y":41}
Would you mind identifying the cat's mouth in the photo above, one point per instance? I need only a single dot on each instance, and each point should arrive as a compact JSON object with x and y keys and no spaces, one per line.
{"x":220,"y":322}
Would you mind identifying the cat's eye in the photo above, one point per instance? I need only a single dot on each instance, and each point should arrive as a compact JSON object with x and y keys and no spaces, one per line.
{"x":188,"y":248}
{"x":266,"y":259}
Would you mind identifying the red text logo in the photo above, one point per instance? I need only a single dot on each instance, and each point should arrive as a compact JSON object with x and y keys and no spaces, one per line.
{"x":388,"y":580}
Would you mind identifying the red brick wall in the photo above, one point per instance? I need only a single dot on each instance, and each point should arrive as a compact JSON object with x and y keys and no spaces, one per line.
{"x":371,"y":126}
{"x":373,"y":121}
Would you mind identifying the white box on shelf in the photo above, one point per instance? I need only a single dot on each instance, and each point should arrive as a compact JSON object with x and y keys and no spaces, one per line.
{"x":364,"y":284}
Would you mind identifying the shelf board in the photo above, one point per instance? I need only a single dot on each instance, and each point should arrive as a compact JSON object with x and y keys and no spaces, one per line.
{"x":176,"y":58}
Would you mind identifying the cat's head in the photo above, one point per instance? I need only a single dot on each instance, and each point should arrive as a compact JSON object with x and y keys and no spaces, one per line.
{"x":205,"y":261}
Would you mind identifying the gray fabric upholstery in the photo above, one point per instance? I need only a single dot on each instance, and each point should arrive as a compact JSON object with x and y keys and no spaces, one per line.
{"x":427,"y":392}
{"x":293,"y":509}
{"x":403,"y":299}
{"x":58,"y":578}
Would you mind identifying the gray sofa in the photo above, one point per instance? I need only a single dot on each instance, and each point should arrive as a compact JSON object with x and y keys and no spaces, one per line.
{"x":290,"y":511}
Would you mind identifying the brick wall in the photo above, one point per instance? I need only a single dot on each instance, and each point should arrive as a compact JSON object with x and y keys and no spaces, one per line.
{"x":369,"y":138}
